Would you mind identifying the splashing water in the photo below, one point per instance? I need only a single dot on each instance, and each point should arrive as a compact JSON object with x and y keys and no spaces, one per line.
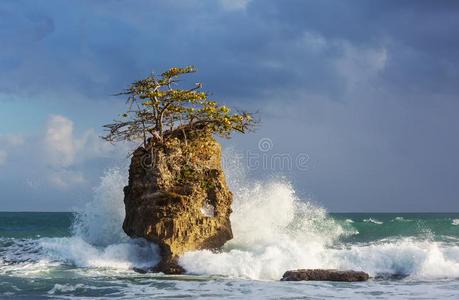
{"x":98,"y":239}
{"x":274,"y":230}
{"x":99,"y":222}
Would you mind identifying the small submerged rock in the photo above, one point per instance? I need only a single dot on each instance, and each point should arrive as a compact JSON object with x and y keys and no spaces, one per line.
{"x":166,"y":267}
{"x":325,"y":275}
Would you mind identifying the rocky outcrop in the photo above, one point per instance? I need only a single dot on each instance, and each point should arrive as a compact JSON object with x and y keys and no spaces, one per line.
{"x":325,"y":275}
{"x":177,"y":197}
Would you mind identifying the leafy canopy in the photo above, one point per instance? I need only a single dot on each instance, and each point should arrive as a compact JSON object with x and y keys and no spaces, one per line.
{"x":158,"y":110}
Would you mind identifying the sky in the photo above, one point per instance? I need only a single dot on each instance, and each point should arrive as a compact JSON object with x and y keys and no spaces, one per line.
{"x":358,"y":100}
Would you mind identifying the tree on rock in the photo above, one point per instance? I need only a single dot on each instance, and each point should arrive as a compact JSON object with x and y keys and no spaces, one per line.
{"x":177,"y":194}
{"x":158,"y":110}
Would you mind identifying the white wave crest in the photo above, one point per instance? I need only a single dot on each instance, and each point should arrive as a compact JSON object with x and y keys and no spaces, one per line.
{"x":410,"y":257}
{"x":374,"y":221}
{"x":401,"y":219}
{"x":59,"y":288}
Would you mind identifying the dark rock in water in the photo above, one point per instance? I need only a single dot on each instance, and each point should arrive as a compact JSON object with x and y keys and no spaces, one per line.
{"x":168,"y":267}
{"x":324,"y":275}
{"x":177,"y":197}
{"x":140,"y":270}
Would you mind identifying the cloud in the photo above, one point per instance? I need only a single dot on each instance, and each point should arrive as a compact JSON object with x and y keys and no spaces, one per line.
{"x":90,"y":146}
{"x":7,"y":143}
{"x":369,"y":89}
{"x":65,"y":148}
{"x":238,"y":54}
{"x":67,"y":152}
{"x":359,"y":66}
{"x":234,"y":5}
{"x":11,"y":140}
{"x":60,"y":142}
{"x":3,"y":157}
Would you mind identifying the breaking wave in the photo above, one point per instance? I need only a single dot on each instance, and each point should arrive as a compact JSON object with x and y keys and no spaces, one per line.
{"x":98,"y":240}
{"x":274,"y":230}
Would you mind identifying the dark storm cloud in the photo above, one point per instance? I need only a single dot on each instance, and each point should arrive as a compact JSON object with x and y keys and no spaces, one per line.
{"x":367,"y":88}
{"x":97,"y":47}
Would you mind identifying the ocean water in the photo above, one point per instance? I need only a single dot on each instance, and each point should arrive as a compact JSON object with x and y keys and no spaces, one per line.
{"x":86,"y":254}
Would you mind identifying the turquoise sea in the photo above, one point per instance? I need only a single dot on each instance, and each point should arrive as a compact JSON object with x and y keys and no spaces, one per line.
{"x":86,"y":255}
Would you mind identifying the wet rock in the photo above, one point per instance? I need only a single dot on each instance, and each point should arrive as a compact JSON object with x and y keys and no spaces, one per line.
{"x":140,"y":270}
{"x":177,"y":197}
{"x":324,"y":275}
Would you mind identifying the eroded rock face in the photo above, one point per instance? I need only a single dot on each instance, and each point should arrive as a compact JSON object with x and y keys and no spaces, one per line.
{"x":325,"y":275}
{"x":177,"y":197}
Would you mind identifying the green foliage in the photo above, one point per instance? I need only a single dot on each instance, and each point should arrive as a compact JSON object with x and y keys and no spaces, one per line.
{"x":157,"y":111}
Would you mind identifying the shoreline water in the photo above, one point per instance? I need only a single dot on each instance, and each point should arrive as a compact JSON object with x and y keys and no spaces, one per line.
{"x":47,"y":266}
{"x":86,"y":254}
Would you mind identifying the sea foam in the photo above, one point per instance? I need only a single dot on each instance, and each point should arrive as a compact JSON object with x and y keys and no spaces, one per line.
{"x":98,"y":240}
{"x":274,"y":230}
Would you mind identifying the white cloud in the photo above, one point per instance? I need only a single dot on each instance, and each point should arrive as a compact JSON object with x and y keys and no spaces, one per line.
{"x":59,"y":141}
{"x":60,"y":157}
{"x":65,"y":149}
{"x":90,"y":145}
{"x":3,"y":157}
{"x":233,"y":5}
